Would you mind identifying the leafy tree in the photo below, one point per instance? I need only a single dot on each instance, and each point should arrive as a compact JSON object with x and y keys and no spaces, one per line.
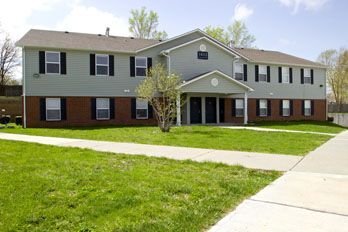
{"x":143,"y":24}
{"x":218,"y":33}
{"x":240,"y":35}
{"x":337,"y":73}
{"x":161,"y":90}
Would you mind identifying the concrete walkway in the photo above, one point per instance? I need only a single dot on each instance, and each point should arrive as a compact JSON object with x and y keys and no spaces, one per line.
{"x":275,"y":130}
{"x":311,"y":197}
{"x":246,"y":159}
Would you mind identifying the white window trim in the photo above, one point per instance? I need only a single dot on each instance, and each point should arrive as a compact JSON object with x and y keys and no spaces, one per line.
{"x":286,"y":82}
{"x":263,"y":108}
{"x":263,"y":73}
{"x":60,"y":109}
{"x":310,"y":108}
{"x":283,"y":108}
{"x":96,"y":109}
{"x":241,"y":108}
{"x":105,"y":65}
{"x":135,"y":65}
{"x":136,"y":108}
{"x":234,"y":73}
{"x":50,"y":62}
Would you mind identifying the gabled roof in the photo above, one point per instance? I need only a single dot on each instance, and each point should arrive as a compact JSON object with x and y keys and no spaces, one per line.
{"x":83,"y":41}
{"x":199,"y":77}
{"x":275,"y":57}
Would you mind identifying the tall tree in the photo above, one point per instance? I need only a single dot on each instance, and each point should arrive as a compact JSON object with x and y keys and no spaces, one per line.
{"x":218,"y":33}
{"x":143,"y":24}
{"x":9,"y":60}
{"x":337,"y":73}
{"x":240,"y":35}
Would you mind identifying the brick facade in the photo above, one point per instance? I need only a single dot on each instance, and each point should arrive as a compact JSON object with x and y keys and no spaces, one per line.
{"x":79,"y":113}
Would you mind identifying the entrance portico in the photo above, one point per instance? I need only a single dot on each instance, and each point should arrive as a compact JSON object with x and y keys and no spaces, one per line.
{"x":206,"y":95}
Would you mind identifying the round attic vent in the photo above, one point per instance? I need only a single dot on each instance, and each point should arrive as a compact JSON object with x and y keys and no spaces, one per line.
{"x":203,"y":48}
{"x":214,"y":82}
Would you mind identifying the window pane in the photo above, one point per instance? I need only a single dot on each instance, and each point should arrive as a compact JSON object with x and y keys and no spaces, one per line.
{"x":141,"y":113}
{"x":102,"y":59}
{"x":140,"y":61}
{"x":102,"y":70}
{"x":53,"y":115}
{"x":263,"y":104}
{"x":307,"y":104}
{"x":285,"y":71}
{"x":262,"y":69}
{"x":308,"y":112}
{"x":141,"y":104}
{"x":102,"y":114}
{"x":53,"y":103}
{"x":307,"y":72}
{"x":103,"y":103}
{"x":307,"y":80}
{"x":262,"y":77}
{"x":286,"y":104}
{"x":141,"y":72}
{"x":239,"y":76}
{"x":52,"y":68}
{"x":285,"y":79}
{"x":239,"y":112}
{"x":52,"y":57}
{"x":263,"y":112}
{"x":239,"y":68}
{"x":239,"y":104}
{"x":286,"y":112}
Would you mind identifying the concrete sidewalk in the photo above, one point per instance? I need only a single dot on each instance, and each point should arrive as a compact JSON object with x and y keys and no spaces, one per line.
{"x":246,"y":159}
{"x":311,"y":197}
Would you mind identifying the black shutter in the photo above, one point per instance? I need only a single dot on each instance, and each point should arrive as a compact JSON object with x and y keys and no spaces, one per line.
{"x":150,"y":111}
{"x":256,"y":73}
{"x":149,"y":64}
{"x":280,"y":74}
{"x":312,"y":76}
{"x":268,"y":74}
{"x":112,"y":108}
{"x":42,"y":67}
{"x":245,"y":72}
{"x":281,"y":107}
{"x":303,"y":107}
{"x":92,"y":64}
{"x":43,"y":109}
{"x":233,"y":107}
{"x":291,"y":107}
{"x":111,"y":65}
{"x":63,"y":63}
{"x":290,"y":74}
{"x":132,"y":66}
{"x":302,"y":76}
{"x":269,"y":108}
{"x":257,"y":107}
{"x":312,"y":107}
{"x":63,"y":108}
{"x":93,"y":108}
{"x":133,"y":108}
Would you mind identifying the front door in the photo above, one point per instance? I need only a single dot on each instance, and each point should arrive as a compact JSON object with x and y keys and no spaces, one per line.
{"x":195,"y":110}
{"x":210,"y":110}
{"x":222,"y":109}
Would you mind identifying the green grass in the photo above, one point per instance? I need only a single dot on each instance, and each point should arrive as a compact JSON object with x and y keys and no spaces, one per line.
{"x":47,"y":188}
{"x":192,"y":136}
{"x":326,"y":127}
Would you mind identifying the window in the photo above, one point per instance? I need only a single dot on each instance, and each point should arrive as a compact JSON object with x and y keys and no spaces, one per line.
{"x":263,"y":73}
{"x":286,"y":108}
{"x":53,"y":109}
{"x":307,"y":108}
{"x":102,"y":65}
{"x":238,"y":71}
{"x":52,"y":62}
{"x":142,"y":109}
{"x":239,"y":107}
{"x":285,"y":75}
{"x":102,"y":108}
{"x":307,"y":76}
{"x":263,"y":108}
{"x":140,"y":66}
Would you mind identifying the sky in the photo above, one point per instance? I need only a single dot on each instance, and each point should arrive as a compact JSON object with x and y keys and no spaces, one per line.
{"x":299,"y":27}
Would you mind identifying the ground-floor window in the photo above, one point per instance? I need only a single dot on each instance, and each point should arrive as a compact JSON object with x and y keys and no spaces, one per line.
{"x":103,"y":108}
{"x":142,"y":109}
{"x":239,"y":107}
{"x":286,"y":108}
{"x":53,"y":109}
{"x":263,"y":108}
{"x":307,"y":108}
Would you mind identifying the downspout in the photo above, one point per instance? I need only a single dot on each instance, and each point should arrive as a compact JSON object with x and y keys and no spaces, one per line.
{"x":166,"y":54}
{"x":24,"y":92}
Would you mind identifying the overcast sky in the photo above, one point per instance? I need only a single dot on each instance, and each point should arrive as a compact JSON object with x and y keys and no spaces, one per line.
{"x":300,"y":27}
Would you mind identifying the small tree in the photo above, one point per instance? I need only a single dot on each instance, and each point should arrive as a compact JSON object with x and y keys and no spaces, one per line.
{"x":218,"y":33}
{"x":161,"y":90}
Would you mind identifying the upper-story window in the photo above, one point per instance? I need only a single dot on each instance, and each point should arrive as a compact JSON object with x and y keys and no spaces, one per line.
{"x":52,"y":60}
{"x":102,"y":64}
{"x":238,"y":73}
{"x":285,"y":75}
{"x":307,"y":76}
{"x":140,"y":66}
{"x":263,"y":73}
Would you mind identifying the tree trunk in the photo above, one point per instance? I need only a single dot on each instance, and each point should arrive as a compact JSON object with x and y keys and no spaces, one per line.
{"x":164,"y":126}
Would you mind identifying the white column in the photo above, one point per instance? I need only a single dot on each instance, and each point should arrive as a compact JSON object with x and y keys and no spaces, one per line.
{"x":217,"y":110}
{"x":178,"y":111}
{"x":245,"y":108}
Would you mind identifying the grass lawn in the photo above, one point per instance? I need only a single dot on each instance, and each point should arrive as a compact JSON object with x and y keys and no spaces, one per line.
{"x":192,"y":136}
{"x":46,"y":188}
{"x":326,"y":127}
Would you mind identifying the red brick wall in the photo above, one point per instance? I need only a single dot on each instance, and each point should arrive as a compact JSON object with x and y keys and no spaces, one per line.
{"x":79,"y":113}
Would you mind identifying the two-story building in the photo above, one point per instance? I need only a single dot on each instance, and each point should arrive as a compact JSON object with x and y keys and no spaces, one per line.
{"x":76,"y":79}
